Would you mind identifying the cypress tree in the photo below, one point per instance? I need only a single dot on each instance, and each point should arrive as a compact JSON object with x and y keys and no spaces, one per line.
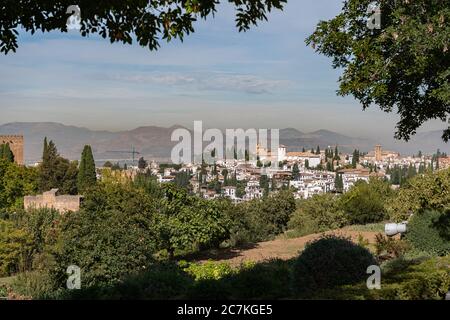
{"x":336,"y":154}
{"x":142,"y":164}
{"x":329,"y":166}
{"x":87,"y":176}
{"x":6,"y":153}
{"x":318,"y":150}
{"x":295,"y":171}
{"x":338,"y":183}
{"x":48,"y":169}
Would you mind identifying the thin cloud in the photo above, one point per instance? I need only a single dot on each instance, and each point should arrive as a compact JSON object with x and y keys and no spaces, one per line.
{"x":251,"y":84}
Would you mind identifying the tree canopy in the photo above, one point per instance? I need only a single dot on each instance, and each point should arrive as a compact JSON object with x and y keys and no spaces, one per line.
{"x":143,"y":21}
{"x":56,"y":171}
{"x":402,"y":66}
{"x":87,"y":175}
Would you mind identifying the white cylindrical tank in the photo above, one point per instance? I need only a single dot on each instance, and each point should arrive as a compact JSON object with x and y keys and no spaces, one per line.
{"x":391,"y":229}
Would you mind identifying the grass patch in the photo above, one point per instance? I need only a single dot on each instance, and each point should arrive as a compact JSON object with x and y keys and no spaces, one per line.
{"x":370,"y":227}
{"x":7,"y":280}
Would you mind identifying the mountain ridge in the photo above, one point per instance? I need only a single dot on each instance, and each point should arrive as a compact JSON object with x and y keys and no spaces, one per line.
{"x":154,"y":142}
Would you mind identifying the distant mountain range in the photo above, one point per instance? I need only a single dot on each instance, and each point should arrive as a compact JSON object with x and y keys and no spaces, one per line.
{"x":154,"y":142}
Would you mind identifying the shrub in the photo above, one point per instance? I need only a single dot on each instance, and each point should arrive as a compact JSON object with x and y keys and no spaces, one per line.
{"x":430,"y":231}
{"x":34,"y":284}
{"x":265,"y":280}
{"x":261,"y":220}
{"x":415,"y":280}
{"x":207,"y":271}
{"x":388,"y":248}
{"x":163,"y":281}
{"x":365,"y":202}
{"x":317,"y":214}
{"x":188,"y":223}
{"x":3,"y":291}
{"x":401,"y":280}
{"x":107,"y":245}
{"x":159,"y":281}
{"x":210,"y":279}
{"x":429,"y":191}
{"x":329,"y":262}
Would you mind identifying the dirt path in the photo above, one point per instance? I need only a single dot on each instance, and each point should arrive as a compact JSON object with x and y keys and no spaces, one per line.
{"x":280,"y":248}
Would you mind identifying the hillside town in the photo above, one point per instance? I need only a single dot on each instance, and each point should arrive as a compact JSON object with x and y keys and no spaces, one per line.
{"x":307,"y":172}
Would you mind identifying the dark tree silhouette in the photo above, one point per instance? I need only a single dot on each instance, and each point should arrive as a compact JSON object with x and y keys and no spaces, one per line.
{"x":146,"y":22}
{"x":403,"y":66}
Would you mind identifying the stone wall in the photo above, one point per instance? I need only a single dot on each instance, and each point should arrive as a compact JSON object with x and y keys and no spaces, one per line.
{"x":49,"y":199}
{"x":16,"y":144}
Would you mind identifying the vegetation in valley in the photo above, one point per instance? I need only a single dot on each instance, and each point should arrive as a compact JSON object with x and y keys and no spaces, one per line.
{"x":130,"y":239}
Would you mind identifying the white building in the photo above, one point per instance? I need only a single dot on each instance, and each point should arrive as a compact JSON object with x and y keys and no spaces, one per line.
{"x":230,"y":192}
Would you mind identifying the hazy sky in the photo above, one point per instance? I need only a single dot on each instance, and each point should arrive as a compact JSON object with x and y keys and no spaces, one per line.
{"x":266,"y":77}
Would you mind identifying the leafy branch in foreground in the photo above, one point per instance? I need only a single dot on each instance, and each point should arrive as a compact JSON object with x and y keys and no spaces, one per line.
{"x":149,"y":21}
{"x":403,"y":66}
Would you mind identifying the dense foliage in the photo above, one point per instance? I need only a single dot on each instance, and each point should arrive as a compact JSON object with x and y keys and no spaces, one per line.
{"x":365,"y":202}
{"x":402,"y":279}
{"x":260,"y":220}
{"x":145,"y":21}
{"x":317,"y":214}
{"x":6,"y":153}
{"x":188,"y":223}
{"x":404,"y":65}
{"x":129,"y":233}
{"x":16,"y":182}
{"x":429,"y":191}
{"x":329,"y":262}
{"x":24,"y":237}
{"x":430,"y":231}
{"x":56,"y":171}
{"x":87,"y":176}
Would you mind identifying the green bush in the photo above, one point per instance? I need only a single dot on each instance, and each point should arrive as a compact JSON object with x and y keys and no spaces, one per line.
{"x":35,"y":284}
{"x":317,"y":214}
{"x":329,"y":262}
{"x":401,"y":279}
{"x":365,"y":202}
{"x":265,"y":280}
{"x":163,"y":281}
{"x":388,"y":247}
{"x":207,"y":271}
{"x":3,"y":291}
{"x":421,"y":279}
{"x":106,"y":245}
{"x":430,"y":231}
{"x":261,"y":220}
{"x":429,"y":191}
{"x":159,"y":281}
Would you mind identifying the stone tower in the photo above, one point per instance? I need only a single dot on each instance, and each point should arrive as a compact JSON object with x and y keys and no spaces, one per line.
{"x":378,"y":156}
{"x":16,"y":144}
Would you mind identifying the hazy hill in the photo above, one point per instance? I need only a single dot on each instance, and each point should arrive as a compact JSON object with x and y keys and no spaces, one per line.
{"x":296,"y":140}
{"x":154,"y":142}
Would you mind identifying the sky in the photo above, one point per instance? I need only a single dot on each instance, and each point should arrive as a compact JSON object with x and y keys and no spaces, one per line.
{"x":264,"y":78}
